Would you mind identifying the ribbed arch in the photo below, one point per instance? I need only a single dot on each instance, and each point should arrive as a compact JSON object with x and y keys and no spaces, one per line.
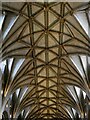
{"x":45,"y":52}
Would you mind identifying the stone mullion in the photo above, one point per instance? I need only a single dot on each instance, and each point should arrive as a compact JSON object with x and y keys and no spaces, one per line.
{"x":1,"y":92}
{"x":88,"y":19}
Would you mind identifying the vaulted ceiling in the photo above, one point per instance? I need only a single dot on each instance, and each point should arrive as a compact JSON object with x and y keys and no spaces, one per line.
{"x":45,"y":56}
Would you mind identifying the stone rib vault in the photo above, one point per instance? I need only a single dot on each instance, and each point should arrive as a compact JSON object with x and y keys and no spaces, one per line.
{"x":45,"y":56}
